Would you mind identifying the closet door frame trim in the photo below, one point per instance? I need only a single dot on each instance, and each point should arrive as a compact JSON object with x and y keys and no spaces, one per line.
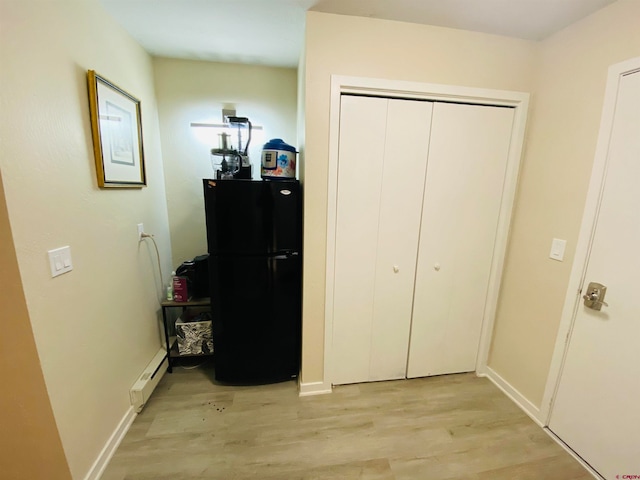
{"x":435,"y":92}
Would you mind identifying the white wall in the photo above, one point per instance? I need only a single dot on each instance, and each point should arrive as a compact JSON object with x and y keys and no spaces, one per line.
{"x":95,"y":328}
{"x":193,"y":91}
{"x":568,"y":94}
{"x":367,"y":47}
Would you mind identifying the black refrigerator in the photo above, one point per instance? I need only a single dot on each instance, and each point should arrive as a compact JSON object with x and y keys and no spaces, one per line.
{"x":254,"y":237}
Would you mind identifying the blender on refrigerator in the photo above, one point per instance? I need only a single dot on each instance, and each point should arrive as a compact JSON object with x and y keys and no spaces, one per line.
{"x":229,"y":162}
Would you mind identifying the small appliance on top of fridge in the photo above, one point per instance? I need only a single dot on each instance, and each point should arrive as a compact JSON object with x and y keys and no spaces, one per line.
{"x":254,"y":238}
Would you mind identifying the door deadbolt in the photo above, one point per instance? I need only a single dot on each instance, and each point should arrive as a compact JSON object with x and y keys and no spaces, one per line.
{"x":594,"y":298}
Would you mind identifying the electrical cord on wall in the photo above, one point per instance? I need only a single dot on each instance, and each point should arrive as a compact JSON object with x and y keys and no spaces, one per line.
{"x":146,"y":235}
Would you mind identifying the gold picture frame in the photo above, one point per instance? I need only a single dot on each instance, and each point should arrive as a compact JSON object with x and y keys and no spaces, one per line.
{"x":116,"y":127}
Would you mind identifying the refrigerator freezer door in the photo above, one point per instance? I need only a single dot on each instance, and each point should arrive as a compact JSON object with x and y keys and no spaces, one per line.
{"x":252,"y":217}
{"x":257,"y":309}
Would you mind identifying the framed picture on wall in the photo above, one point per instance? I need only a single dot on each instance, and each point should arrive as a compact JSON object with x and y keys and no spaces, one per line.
{"x":116,"y":127}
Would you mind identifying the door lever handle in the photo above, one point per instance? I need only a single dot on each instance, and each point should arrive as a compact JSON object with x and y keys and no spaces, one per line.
{"x":594,"y":298}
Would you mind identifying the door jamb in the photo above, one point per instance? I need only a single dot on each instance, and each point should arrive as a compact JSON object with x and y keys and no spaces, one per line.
{"x":436,"y":92}
{"x":585,"y":237}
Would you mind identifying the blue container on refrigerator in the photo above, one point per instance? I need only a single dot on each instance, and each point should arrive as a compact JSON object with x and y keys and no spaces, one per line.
{"x":278,"y":160}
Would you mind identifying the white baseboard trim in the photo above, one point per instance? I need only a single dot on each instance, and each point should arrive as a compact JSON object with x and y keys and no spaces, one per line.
{"x":99,"y":466}
{"x":313,"y":388}
{"x":525,"y":405}
{"x":587,"y":467}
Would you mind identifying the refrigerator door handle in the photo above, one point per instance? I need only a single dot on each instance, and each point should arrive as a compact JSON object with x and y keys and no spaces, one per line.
{"x":285,"y":256}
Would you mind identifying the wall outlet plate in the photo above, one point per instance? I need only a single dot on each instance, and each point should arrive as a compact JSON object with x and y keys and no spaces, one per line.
{"x":140,"y":231}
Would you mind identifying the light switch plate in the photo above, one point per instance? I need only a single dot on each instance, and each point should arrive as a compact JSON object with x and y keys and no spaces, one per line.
{"x":557,"y":249}
{"x":60,"y":261}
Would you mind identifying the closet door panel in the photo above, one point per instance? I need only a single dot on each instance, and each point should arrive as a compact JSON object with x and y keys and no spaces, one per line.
{"x":405,"y":161}
{"x":465,"y":177}
{"x":361,"y":154}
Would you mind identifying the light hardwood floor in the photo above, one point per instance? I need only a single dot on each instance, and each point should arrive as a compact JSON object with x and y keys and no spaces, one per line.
{"x":440,"y":428}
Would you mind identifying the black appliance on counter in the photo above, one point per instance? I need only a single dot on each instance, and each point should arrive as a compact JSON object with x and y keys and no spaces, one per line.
{"x":254,"y":236}
{"x":197,"y":273}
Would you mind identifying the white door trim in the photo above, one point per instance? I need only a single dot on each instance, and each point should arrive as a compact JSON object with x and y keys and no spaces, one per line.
{"x":425,"y":91}
{"x":587,"y":231}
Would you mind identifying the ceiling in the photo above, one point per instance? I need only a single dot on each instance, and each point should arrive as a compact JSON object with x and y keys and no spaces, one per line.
{"x":270,"y":32}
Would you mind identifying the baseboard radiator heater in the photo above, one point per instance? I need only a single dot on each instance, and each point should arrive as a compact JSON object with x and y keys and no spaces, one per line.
{"x":144,"y":386}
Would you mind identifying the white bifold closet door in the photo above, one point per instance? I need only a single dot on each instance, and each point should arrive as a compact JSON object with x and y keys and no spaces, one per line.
{"x":468,"y":155}
{"x":420,"y":187}
{"x":382,"y":160}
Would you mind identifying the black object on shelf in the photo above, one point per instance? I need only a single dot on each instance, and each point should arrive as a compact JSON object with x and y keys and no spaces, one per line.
{"x":197,"y":273}
{"x":254,"y":240}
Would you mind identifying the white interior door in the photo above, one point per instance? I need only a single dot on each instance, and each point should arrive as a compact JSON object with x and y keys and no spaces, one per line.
{"x":597,"y":406}
{"x":468,"y":155}
{"x":382,"y":160}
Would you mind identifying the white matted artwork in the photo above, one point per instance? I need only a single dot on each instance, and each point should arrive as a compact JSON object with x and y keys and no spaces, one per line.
{"x":117,"y":134}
